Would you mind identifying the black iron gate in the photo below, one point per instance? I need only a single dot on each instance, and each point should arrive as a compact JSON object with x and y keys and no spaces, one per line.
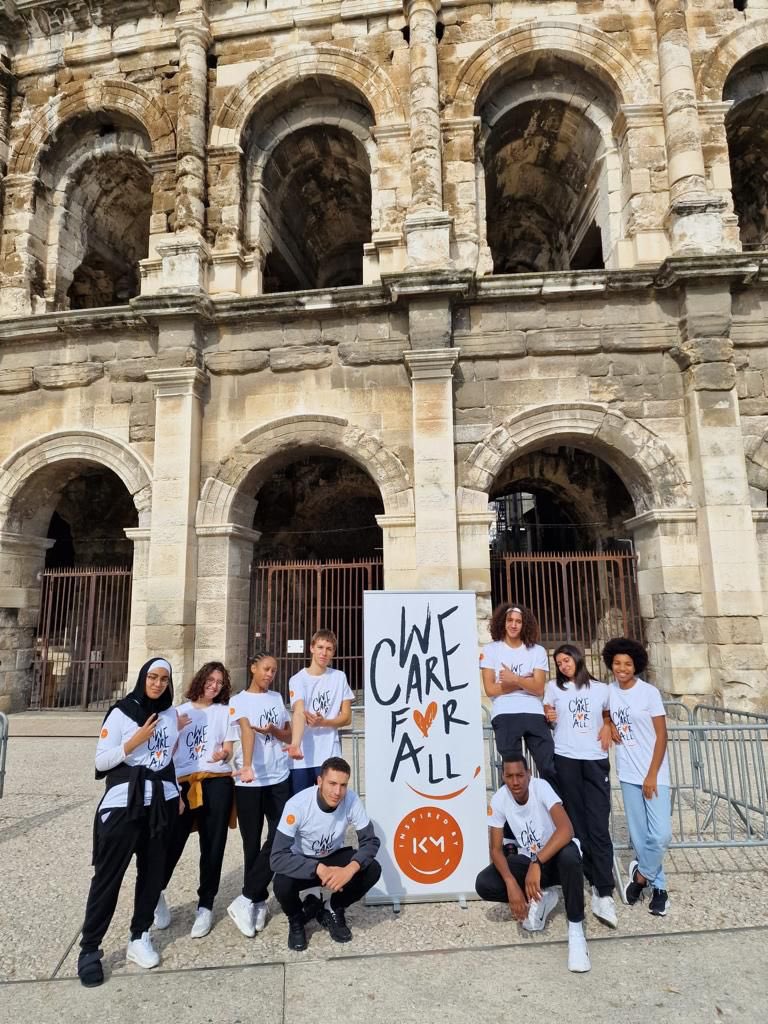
{"x":81,"y":652}
{"x":290,"y":600}
{"x":583,"y":598}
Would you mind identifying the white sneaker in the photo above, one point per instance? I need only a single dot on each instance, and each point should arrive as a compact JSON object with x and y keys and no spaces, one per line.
{"x":203,"y":923}
{"x":162,"y":913}
{"x":259,"y":916}
{"x":578,"y":954}
{"x":241,"y":912}
{"x":604,"y":909}
{"x":539,"y":911}
{"x":142,"y":952}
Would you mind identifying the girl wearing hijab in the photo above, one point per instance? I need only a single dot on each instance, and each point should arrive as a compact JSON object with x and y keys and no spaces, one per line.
{"x":135,"y":757}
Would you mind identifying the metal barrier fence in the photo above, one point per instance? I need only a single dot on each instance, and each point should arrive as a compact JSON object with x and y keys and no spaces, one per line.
{"x":3,"y":748}
{"x":727,"y":716}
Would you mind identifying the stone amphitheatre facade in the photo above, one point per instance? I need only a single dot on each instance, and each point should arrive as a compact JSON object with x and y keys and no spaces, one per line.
{"x":409,"y":256}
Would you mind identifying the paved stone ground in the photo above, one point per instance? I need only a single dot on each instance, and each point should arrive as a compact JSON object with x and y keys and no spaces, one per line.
{"x":438,"y":963}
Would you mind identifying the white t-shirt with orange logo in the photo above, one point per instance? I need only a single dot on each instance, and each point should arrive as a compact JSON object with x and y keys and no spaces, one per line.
{"x":204,"y":735}
{"x":531,"y":823}
{"x":323,"y":695}
{"x":270,"y":761}
{"x":633,"y":711}
{"x":522,"y":661}
{"x":155,"y":753}
{"x":316,"y":832}
{"x":579,"y":719}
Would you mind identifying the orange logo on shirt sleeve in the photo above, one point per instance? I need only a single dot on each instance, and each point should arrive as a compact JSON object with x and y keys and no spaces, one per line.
{"x":490,"y":811}
{"x":291,"y":694}
{"x":231,"y":711}
{"x":104,"y":733}
{"x":290,"y":820}
{"x":482,"y":656}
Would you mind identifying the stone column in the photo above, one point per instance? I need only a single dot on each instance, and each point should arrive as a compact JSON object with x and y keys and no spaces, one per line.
{"x":137,"y":634}
{"x":731,"y":592}
{"x":185,"y":258}
{"x":427,"y":226}
{"x":437,"y":559}
{"x":639,"y":131}
{"x":225,"y":554}
{"x":717,"y":162}
{"x":6,"y":84}
{"x":20,"y":249}
{"x":694,"y":218}
{"x":22,"y":559}
{"x":171,"y":588}
{"x":399,"y":543}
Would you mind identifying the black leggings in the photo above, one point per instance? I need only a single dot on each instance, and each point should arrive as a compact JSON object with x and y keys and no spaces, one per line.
{"x":563,"y":869}
{"x":254,"y":804}
{"x":117,"y":839}
{"x":585,"y":787}
{"x":212,"y":823}
{"x":511,"y":730}
{"x":288,"y":890}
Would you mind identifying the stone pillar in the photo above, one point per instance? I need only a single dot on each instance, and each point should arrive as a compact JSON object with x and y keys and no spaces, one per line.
{"x":427,"y":226}
{"x":731,"y":590}
{"x":437,"y":560}
{"x":639,"y":131}
{"x":22,"y":559}
{"x":474,"y":522}
{"x":137,"y":635}
{"x":399,"y":542}
{"x":717,"y":162}
{"x":20,"y":249}
{"x":694,"y":218}
{"x":465,"y":193}
{"x":225,"y":554}
{"x":6,"y":85}
{"x":171,"y":588}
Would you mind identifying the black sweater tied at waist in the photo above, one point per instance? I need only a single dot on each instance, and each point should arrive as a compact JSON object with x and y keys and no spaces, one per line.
{"x":136,"y":775}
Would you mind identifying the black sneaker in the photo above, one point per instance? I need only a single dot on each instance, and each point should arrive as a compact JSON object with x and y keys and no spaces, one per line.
{"x":297,"y":937}
{"x":659,"y":902}
{"x":633,"y":890}
{"x":333,"y":919}
{"x":311,"y":908}
{"x":89,"y":969}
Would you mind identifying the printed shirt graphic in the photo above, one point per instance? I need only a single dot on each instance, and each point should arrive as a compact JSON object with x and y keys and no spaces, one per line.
{"x":632,"y":712}
{"x":270,"y":762}
{"x":317,"y":833}
{"x":522,"y":661}
{"x":531,"y":823}
{"x":155,"y":754}
{"x":324,"y":696}
{"x":201,"y":739}
{"x":579,"y":719}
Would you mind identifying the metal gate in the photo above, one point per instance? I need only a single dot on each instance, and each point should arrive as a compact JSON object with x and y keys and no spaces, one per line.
{"x":290,"y":600}
{"x":81,"y":653}
{"x":583,"y":598}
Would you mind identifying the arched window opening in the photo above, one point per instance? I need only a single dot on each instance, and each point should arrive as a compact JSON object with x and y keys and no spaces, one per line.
{"x":747,"y":131}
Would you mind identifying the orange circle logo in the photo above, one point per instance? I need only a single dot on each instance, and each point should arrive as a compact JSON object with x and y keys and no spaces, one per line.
{"x":231,"y":711}
{"x":290,"y":820}
{"x":291,"y":694}
{"x":104,"y":733}
{"x":428,"y":845}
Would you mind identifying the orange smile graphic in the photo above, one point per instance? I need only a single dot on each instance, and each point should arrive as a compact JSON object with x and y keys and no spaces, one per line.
{"x":444,"y":796}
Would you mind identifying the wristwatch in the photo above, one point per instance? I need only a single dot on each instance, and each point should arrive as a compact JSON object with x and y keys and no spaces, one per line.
{"x":534,"y":858}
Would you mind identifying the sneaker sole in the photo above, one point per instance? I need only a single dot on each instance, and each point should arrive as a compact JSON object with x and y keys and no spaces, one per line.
{"x":606,"y":921}
{"x":580,"y":970}
{"x":134,"y":960}
{"x":199,"y":935}
{"x":248,"y":934}
{"x":659,"y":913}
{"x":335,"y":937}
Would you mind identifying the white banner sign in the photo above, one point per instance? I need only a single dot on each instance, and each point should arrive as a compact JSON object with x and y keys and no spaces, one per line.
{"x":424,"y":754}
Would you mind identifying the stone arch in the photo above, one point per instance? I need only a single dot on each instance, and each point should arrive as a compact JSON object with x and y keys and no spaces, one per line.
{"x":757,"y":465}
{"x":80,"y":446}
{"x":332,"y":62}
{"x":717,"y":65}
{"x":103,"y":95}
{"x":224,"y":500}
{"x":641,"y":459}
{"x":589,"y":47}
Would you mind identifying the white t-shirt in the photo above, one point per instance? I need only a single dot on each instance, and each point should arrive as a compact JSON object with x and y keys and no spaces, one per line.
{"x":522,"y":661}
{"x":579,"y":719}
{"x":316,"y":832}
{"x":323,"y":695}
{"x":155,"y":753}
{"x":201,"y":738}
{"x":632,"y":712}
{"x":531,"y":823}
{"x":270,"y":762}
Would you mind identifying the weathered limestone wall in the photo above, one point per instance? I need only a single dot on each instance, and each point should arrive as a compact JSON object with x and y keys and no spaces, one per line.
{"x":240,"y":124}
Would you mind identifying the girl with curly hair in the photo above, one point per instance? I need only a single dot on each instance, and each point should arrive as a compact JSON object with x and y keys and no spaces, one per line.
{"x":207,"y":789}
{"x":639,"y":731}
{"x":514,"y":672}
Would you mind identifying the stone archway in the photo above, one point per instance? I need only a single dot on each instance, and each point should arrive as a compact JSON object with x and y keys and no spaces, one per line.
{"x":718,"y":64}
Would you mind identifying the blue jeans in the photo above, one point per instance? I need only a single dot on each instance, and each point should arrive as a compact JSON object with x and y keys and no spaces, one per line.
{"x":303,"y":778}
{"x":650,"y":830}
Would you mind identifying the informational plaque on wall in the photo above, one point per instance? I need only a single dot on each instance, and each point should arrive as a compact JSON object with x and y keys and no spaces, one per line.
{"x":424,"y":752}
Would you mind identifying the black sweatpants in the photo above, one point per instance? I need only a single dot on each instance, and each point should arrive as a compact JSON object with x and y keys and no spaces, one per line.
{"x":287,"y":889}
{"x":563,"y":869}
{"x":212,"y":822}
{"x":511,"y":730}
{"x":117,"y":839}
{"x":254,"y":804}
{"x":585,"y":787}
